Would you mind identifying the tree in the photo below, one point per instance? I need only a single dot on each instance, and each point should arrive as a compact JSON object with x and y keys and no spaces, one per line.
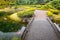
{"x":5,"y":2}
{"x":56,"y":4}
{"x":27,"y":1}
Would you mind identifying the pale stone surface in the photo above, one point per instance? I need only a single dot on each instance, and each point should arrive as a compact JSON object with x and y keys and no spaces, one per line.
{"x":40,"y":28}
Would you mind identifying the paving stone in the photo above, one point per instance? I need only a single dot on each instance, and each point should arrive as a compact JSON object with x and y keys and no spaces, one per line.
{"x":41,"y":29}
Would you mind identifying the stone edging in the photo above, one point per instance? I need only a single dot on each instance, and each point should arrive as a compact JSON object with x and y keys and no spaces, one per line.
{"x":54,"y":27}
{"x":57,"y":27}
{"x":27,"y":28}
{"x":10,"y":35}
{"x":22,"y":32}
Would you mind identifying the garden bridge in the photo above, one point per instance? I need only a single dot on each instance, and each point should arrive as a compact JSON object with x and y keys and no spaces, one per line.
{"x":40,"y":28}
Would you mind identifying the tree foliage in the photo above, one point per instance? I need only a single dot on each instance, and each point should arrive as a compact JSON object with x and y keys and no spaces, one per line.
{"x":24,"y":1}
{"x":27,"y":1}
{"x":56,"y":4}
{"x":5,"y":2}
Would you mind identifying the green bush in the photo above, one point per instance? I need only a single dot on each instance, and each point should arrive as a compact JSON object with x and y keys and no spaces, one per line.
{"x":25,"y":14}
{"x":54,"y":11}
{"x":3,"y":13}
{"x":55,"y":14}
{"x":50,"y":14}
{"x":28,"y":14}
{"x":37,"y":6}
{"x":46,"y":7}
{"x":7,"y":25}
{"x":56,"y":18}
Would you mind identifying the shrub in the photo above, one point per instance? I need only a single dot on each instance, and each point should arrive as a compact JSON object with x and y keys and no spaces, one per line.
{"x":50,"y":14}
{"x":21,"y":15}
{"x":37,"y":6}
{"x":57,"y":18}
{"x":54,"y":11}
{"x":30,"y":9}
{"x":28,"y":14}
{"x":3,"y":13}
{"x":55,"y":14}
{"x":15,"y":17}
{"x":25,"y":14}
{"x":7,"y":25}
{"x":44,"y":7}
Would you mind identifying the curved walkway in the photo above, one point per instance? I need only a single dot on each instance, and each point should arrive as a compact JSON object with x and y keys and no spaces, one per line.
{"x":40,"y":28}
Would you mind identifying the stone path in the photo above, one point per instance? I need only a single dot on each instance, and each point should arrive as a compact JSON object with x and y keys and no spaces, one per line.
{"x":40,"y":28}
